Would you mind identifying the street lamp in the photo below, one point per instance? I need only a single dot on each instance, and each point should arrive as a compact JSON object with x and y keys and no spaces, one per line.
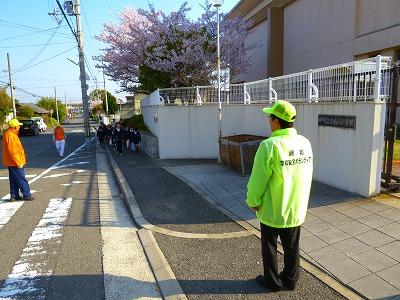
{"x":217,"y":4}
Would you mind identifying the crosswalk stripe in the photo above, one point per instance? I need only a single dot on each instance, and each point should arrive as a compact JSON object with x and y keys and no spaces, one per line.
{"x":7,"y":211}
{"x":31,"y":273}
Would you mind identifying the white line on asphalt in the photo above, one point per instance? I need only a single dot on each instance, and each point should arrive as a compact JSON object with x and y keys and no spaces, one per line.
{"x":72,"y":164}
{"x":57,"y":175}
{"x":73,"y":182}
{"x":27,"y":176}
{"x":7,"y":211}
{"x":30,"y":275}
{"x":6,"y":197}
{"x":48,"y":170}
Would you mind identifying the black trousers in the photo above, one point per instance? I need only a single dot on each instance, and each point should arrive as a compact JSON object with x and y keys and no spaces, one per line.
{"x":119,"y":147}
{"x":290,"y":238}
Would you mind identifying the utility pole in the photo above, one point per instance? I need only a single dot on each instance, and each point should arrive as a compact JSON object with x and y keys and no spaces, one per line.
{"x":105,"y":92}
{"x":82,"y":77}
{"x":55,"y":96}
{"x":65,"y":101}
{"x":11,"y":86}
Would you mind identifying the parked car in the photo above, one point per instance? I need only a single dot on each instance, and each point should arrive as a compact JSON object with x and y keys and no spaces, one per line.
{"x":29,"y":127}
{"x":42,"y":125}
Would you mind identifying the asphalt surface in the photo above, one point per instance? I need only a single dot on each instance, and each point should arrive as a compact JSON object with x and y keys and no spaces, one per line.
{"x":205,"y":268}
{"x":41,"y":153}
{"x":69,"y":266}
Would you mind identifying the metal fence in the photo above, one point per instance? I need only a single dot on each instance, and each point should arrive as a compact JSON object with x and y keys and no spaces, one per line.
{"x":363,"y":80}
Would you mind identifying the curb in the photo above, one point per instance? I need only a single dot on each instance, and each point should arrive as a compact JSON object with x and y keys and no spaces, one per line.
{"x":304,"y":263}
{"x":165,"y":277}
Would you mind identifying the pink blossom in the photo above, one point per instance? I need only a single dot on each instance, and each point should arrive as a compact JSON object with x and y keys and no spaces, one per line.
{"x":172,"y":43}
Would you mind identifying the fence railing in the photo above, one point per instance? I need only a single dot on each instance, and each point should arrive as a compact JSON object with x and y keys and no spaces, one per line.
{"x":362,"y":80}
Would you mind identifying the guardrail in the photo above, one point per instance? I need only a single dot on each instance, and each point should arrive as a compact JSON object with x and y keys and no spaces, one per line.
{"x":362,"y":80}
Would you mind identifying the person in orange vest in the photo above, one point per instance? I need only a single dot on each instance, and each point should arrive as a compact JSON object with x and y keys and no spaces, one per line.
{"x":59,"y":139}
{"x":14,"y":159}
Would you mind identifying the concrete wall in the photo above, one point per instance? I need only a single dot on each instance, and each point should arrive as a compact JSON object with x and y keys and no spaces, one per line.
{"x":150,"y":144}
{"x":188,"y":131}
{"x":317,"y":33}
{"x":150,"y":116}
{"x":344,"y":158}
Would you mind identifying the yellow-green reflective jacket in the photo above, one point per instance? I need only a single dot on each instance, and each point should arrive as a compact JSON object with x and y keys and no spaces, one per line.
{"x":281,"y":178}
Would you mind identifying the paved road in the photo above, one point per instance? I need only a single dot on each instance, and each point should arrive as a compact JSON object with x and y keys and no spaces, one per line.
{"x":41,"y":153}
{"x":205,"y":268}
{"x":55,"y":247}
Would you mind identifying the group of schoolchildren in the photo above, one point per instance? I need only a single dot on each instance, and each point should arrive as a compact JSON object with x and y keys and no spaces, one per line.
{"x":119,"y":136}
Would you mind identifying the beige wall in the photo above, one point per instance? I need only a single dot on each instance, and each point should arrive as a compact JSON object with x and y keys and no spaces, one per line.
{"x":377,"y":14}
{"x":257,"y":67}
{"x":317,"y":33}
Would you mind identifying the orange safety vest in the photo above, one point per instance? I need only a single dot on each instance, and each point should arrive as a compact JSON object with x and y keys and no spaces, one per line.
{"x":13,"y":153}
{"x":59,"y":134}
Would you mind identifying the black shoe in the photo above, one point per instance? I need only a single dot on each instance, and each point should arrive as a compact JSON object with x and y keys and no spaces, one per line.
{"x":286,"y":283}
{"x":28,"y":198}
{"x":12,"y":199}
{"x":262,"y":281}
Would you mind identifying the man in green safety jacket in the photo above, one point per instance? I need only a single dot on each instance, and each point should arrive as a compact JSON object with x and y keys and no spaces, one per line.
{"x":278,"y":190}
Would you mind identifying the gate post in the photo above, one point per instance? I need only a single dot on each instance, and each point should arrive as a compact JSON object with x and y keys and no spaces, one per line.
{"x":390,"y":132}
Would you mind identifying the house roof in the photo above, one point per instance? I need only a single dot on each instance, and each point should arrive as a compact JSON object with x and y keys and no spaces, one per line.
{"x":36,"y":108}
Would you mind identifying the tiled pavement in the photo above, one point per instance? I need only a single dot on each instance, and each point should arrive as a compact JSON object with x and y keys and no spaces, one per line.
{"x":355,"y":239}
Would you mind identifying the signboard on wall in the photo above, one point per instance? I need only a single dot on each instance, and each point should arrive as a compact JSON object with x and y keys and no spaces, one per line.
{"x":337,"y":121}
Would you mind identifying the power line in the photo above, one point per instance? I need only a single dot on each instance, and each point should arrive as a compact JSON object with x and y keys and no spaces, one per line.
{"x":41,"y":50}
{"x":41,"y":61}
{"x":21,"y":90}
{"x":26,"y":27}
{"x":22,"y":35}
{"x":58,"y":85}
{"x":35,"y":45}
{"x":66,"y":19}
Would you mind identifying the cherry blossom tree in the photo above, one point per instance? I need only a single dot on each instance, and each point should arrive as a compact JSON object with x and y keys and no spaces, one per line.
{"x":149,"y":49}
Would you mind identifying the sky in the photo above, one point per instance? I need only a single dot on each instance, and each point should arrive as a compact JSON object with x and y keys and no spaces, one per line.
{"x":43,"y":53}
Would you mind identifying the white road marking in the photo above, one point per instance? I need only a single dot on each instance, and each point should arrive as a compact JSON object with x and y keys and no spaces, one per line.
{"x":7,"y":197}
{"x":57,"y":175}
{"x":80,"y":171}
{"x":7,"y":210}
{"x":13,"y":209}
{"x":72,"y":164}
{"x":26,"y":176}
{"x":30,"y":274}
{"x":73,"y":182}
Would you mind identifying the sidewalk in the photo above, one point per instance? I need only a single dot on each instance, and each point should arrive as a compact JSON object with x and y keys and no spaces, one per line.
{"x":211,"y":255}
{"x":352,"y":238}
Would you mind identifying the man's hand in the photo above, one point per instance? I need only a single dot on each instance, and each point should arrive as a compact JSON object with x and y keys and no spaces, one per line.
{"x":20,"y":167}
{"x":255,"y":209}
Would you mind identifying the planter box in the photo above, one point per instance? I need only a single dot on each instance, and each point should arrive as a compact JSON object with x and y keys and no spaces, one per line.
{"x":237,"y":151}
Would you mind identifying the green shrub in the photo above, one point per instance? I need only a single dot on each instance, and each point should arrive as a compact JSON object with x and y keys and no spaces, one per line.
{"x":136,"y":121}
{"x":50,"y":122}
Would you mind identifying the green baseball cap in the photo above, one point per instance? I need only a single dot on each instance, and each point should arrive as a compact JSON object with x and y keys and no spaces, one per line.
{"x":283,"y":110}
